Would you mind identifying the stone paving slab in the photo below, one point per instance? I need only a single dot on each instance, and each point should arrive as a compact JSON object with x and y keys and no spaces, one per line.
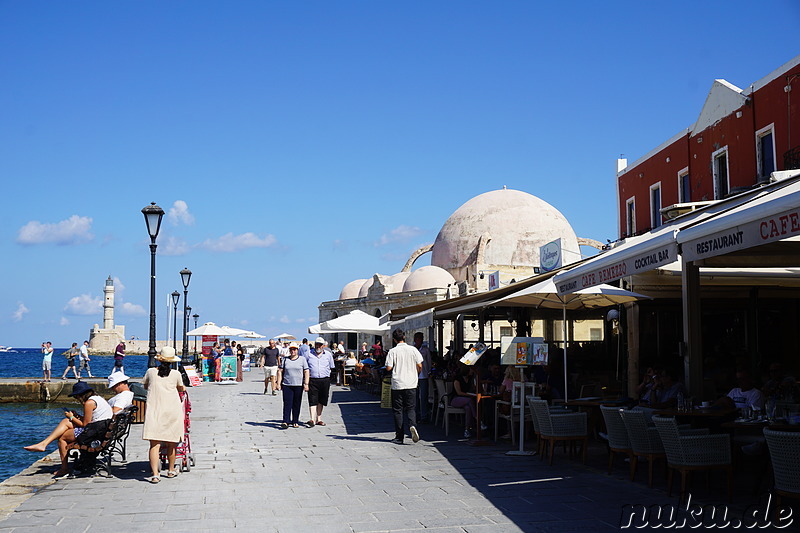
{"x":342,"y":478}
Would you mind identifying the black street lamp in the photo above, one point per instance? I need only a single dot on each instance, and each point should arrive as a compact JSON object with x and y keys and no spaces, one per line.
{"x":195,"y":316}
{"x":186,"y":275}
{"x":152,"y":217}
{"x":176,"y":297}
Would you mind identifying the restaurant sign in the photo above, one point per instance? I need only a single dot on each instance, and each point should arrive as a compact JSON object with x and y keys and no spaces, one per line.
{"x":550,"y":257}
{"x":762,"y":231}
{"x":607,"y":271}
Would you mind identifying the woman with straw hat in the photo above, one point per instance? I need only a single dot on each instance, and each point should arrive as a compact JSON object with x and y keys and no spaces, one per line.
{"x":292,"y":380}
{"x":163,"y":420}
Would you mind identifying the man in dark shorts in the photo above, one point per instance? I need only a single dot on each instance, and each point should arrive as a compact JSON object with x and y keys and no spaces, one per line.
{"x":119,"y":358}
{"x":71,"y":354}
{"x":270,"y":359}
{"x":320,"y":364}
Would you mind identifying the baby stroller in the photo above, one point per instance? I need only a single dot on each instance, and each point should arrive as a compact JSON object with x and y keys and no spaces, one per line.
{"x":184,"y":458}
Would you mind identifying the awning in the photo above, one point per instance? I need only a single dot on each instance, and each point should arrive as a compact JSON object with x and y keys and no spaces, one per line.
{"x":659,"y":247}
{"x":771,"y":217}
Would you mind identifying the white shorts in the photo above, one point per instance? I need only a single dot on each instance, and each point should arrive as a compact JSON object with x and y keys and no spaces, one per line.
{"x":270,"y":371}
{"x":46,"y":365}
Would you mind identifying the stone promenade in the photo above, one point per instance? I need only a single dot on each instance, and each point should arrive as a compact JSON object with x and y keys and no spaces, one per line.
{"x":345,"y":477}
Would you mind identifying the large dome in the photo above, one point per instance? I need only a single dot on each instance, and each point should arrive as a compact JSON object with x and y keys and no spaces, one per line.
{"x":428,"y":277}
{"x":516,"y":224}
{"x":351,"y":289}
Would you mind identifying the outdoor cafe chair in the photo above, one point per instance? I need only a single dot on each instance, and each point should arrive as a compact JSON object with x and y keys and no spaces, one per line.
{"x":447,"y":410}
{"x":618,"y":441}
{"x":687,"y":453}
{"x":784,"y":451}
{"x":512,"y":417}
{"x":555,"y":426}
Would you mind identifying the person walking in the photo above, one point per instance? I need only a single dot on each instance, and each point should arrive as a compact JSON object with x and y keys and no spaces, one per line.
{"x":47,"y":361}
{"x":320,"y":364}
{"x":292,"y":380}
{"x":405,"y":364}
{"x":423,"y":383}
{"x":71,"y":354}
{"x":119,"y":358}
{"x":163,"y":420}
{"x":270,"y":358}
{"x":84,"y":360}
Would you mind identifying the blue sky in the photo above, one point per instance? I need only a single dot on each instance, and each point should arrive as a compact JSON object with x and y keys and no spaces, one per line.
{"x":297,"y":146}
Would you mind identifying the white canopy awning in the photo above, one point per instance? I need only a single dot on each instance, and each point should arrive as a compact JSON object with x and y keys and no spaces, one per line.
{"x":771,"y":217}
{"x":353,"y":322}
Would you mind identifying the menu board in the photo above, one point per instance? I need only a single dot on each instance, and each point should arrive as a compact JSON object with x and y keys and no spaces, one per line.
{"x":523,"y":351}
{"x":474,"y":353}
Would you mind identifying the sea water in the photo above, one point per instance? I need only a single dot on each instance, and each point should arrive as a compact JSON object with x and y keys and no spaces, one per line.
{"x":22,"y":424}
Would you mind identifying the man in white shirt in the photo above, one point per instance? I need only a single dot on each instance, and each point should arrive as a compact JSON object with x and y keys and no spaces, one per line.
{"x":745,"y":395}
{"x":84,"y":359}
{"x":405,"y":364}
{"x":118,"y":382}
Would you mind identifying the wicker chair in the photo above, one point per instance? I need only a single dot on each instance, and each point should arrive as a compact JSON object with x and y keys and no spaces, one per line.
{"x":441,"y":394}
{"x":555,"y":427}
{"x":686,"y":453}
{"x":618,"y":441}
{"x":784,"y":450}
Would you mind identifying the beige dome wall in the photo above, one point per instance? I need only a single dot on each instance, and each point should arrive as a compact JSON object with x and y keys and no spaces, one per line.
{"x":514,"y":225}
{"x":428,"y":277}
{"x":351,"y":289}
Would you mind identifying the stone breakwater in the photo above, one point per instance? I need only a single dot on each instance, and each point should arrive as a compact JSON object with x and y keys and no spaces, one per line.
{"x":29,"y":390}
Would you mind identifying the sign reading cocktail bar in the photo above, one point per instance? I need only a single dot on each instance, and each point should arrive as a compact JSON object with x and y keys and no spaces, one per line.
{"x":607,"y":271}
{"x":769,"y":229}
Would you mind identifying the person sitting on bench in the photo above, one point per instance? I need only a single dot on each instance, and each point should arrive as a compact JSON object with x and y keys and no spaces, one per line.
{"x":92,"y":425}
{"x":118,"y":382}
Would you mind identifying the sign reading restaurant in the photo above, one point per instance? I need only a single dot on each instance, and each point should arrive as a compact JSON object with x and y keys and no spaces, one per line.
{"x":747,"y":235}
{"x":604,"y":272}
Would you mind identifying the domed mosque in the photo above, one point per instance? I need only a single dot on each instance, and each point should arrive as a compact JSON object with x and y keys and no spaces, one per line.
{"x":497,"y":231}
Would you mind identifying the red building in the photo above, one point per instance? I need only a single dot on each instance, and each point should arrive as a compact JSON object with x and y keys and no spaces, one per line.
{"x":739,"y":138}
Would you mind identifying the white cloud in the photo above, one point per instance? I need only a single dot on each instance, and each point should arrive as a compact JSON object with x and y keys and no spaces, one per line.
{"x":19,"y":314}
{"x":401,"y":233}
{"x":234,"y":243}
{"x":84,"y":304}
{"x":173,"y":246}
{"x":179,"y":214}
{"x":129,"y":309}
{"x":284,"y":320}
{"x":74,"y":230}
{"x":64,"y":321}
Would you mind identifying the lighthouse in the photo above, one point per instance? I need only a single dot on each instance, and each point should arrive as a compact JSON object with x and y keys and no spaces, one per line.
{"x":105,"y":339}
{"x":108,"y":304}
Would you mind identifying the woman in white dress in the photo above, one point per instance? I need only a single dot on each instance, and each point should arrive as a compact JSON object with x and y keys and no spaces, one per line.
{"x":163,"y":420}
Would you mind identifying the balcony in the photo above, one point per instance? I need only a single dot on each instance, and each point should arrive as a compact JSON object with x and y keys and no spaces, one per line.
{"x":791,"y":159}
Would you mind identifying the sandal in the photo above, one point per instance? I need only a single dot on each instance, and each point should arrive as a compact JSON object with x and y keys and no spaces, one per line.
{"x":153,"y":479}
{"x":310,"y":423}
{"x":321,"y":423}
{"x":295,"y":425}
{"x":171,"y":474}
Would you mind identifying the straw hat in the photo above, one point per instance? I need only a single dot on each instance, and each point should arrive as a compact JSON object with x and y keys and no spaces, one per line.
{"x":167,"y":355}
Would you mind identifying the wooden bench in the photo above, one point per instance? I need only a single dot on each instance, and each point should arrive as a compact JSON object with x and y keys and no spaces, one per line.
{"x":85,"y":457}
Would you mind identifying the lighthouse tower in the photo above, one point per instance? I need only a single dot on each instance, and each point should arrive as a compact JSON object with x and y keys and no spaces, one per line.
{"x":105,"y":339}
{"x":108,"y":304}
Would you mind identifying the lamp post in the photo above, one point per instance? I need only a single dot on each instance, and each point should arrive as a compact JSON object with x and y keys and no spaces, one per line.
{"x":152,"y":217}
{"x":195,"y":316}
{"x":176,"y":296}
{"x":186,"y":275}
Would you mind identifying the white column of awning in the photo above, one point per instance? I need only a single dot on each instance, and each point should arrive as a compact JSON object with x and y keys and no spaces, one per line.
{"x":641,"y":255}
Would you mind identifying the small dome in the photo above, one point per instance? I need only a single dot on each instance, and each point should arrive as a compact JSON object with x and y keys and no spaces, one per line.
{"x":517,"y":224}
{"x":428,"y":277}
{"x":351,"y":289}
{"x":395,"y":282}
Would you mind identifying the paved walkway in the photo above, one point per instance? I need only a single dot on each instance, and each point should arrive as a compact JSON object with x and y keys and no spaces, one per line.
{"x":345,"y":477}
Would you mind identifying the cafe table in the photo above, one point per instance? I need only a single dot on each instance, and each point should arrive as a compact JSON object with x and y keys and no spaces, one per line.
{"x":592,"y":407}
{"x":701,"y":417}
{"x":479,"y":398}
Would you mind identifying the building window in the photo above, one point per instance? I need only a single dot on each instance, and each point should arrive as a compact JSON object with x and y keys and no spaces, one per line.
{"x":765,"y":152}
{"x":630,"y":217}
{"x":506,"y":331}
{"x":684,"y":187}
{"x":720,"y":168}
{"x":655,"y":205}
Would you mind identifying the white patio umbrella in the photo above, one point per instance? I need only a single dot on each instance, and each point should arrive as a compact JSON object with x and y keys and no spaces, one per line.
{"x":354,"y":322}
{"x":251,"y":335}
{"x":233,"y":332}
{"x":545,"y":294}
{"x":286,"y":337}
{"x":209,"y":328}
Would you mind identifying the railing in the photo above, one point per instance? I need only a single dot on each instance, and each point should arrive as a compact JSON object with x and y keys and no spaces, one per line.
{"x":791,"y":159}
